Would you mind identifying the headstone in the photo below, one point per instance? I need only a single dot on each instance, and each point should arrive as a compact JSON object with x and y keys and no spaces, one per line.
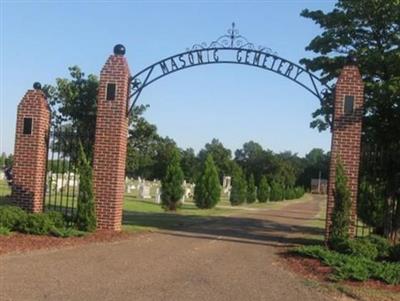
{"x":144,"y":191}
{"x":158,"y":196}
{"x":226,"y":184}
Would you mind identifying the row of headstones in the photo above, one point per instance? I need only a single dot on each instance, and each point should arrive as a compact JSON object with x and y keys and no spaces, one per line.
{"x":58,"y":182}
{"x":143,"y":187}
{"x":61,"y":181}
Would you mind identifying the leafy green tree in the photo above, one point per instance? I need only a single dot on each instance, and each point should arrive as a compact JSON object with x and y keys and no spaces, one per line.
{"x":251,"y":190}
{"x":207,"y":191}
{"x":239,"y":187}
{"x":369,"y":31}
{"x":341,"y":211}
{"x":190,"y":164}
{"x":371,"y":205}
{"x":142,"y":145}
{"x":255,"y":160}
{"x":221,"y":155}
{"x":166,"y":149}
{"x":6,"y":161}
{"x":315,"y":164}
{"x":73,"y":101}
{"x":263,"y":190}
{"x":86,"y":211}
{"x":171,"y":185}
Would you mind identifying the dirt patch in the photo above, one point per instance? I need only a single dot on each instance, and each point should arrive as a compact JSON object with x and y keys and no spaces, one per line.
{"x":313,"y":269}
{"x":19,"y":243}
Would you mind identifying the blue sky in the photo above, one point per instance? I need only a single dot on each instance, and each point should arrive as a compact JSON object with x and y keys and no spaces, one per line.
{"x":234,"y":103}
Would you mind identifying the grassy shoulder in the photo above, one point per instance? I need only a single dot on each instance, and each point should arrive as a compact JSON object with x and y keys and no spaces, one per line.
{"x":140,"y":215}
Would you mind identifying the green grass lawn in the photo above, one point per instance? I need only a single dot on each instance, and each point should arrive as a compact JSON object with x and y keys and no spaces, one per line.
{"x":4,"y":188}
{"x":146,"y":215}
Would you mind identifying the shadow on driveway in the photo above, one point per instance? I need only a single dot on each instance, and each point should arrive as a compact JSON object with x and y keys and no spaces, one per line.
{"x":272,"y":228}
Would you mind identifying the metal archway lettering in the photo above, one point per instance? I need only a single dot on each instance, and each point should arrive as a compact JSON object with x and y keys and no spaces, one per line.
{"x":227,"y":49}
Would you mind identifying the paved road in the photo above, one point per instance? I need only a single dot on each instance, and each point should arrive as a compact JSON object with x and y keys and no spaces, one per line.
{"x":228,"y":258}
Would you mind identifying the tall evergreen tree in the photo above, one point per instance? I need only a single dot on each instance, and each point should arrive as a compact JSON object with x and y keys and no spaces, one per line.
{"x":276,"y":193}
{"x":207,"y":191}
{"x":171,"y":185}
{"x":251,"y":190}
{"x":86,"y":211}
{"x":341,"y":211}
{"x":263,"y":190}
{"x":239,"y":187}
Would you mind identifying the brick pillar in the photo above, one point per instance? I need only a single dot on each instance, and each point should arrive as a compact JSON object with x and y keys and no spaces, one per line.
{"x":346,"y":138}
{"x":111,"y":140}
{"x":30,"y":151}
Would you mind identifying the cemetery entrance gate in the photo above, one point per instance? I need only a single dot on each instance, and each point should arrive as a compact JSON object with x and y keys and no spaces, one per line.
{"x":118,"y":93}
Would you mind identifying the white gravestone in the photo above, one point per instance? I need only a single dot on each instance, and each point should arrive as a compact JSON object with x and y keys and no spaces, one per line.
{"x":144,"y":191}
{"x":226,"y":185}
{"x":158,"y":196}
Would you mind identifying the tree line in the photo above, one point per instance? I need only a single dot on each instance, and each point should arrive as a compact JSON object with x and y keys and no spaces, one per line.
{"x":207,"y":192}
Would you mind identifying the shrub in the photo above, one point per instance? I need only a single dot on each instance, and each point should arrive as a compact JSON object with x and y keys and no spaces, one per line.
{"x":276,"y":193}
{"x":171,"y":184}
{"x":239,"y":187}
{"x":42,"y":223}
{"x":394,"y":253}
{"x":341,"y":210}
{"x":37,"y":223}
{"x":351,"y":266}
{"x":381,"y":244}
{"x":86,"y":213}
{"x":4,"y":231}
{"x":207,"y":190}
{"x":11,"y":217}
{"x":363,"y":247}
{"x":263,"y":190}
{"x":66,"y":232}
{"x":251,"y":190}
{"x":290,"y":194}
{"x":57,"y":218}
{"x":299,"y":192}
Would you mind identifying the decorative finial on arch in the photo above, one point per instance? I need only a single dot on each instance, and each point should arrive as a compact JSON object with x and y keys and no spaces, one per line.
{"x":232,"y":39}
{"x":233,"y":33}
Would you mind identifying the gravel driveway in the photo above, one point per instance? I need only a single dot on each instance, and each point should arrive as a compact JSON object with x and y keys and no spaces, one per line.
{"x":227,"y":258}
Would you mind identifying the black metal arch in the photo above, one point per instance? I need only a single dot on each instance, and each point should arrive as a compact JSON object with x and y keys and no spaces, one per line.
{"x":228,"y":49}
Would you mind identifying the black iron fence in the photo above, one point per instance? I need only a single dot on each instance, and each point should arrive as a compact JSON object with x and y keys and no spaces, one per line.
{"x":378,"y":182}
{"x":62,"y":179}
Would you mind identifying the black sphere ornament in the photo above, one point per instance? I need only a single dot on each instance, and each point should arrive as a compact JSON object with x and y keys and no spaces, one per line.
{"x":37,"y":86}
{"x":351,"y":60}
{"x":119,"y":49}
